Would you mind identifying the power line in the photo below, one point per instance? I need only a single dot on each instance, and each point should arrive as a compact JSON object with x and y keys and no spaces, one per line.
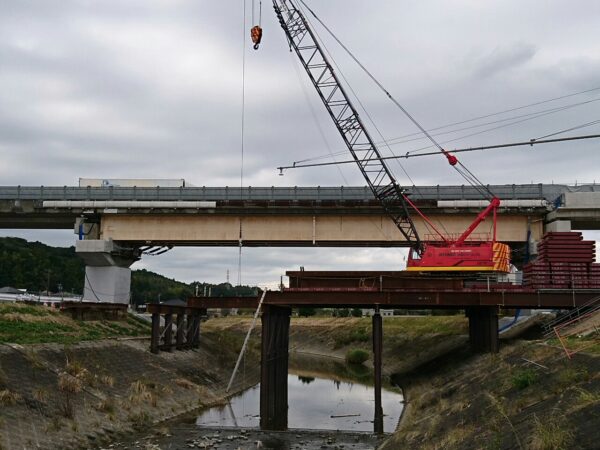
{"x":524,"y":118}
{"x":536,"y":114}
{"x":485,"y":116}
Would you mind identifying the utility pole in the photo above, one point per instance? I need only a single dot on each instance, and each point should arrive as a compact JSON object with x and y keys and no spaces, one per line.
{"x":48,"y":283}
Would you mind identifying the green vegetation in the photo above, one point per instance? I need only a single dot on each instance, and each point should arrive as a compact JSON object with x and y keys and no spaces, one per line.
{"x":26,"y":324}
{"x":357,"y":356}
{"x":306,"y":312}
{"x":524,"y":378}
{"x":359,"y":330}
{"x":38,"y":268}
{"x":572,"y":375}
{"x":588,"y":344}
{"x":354,"y":335}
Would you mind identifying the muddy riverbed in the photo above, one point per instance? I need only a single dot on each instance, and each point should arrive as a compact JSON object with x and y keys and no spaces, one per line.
{"x":325,"y":411}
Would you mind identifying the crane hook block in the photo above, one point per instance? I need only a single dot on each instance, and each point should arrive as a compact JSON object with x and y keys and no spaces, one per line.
{"x":256,"y":35}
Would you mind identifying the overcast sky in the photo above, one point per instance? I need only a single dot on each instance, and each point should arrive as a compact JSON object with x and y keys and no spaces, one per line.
{"x":153,"y":89}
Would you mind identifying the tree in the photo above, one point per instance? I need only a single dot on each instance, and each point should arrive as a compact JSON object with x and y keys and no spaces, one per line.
{"x":356,"y":312}
{"x":306,"y":312}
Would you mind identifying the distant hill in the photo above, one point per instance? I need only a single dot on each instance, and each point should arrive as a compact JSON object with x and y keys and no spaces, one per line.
{"x":39,"y":267}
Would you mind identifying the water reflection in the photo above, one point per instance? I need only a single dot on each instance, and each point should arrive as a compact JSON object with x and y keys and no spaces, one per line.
{"x":314,"y":403}
{"x":306,"y":380}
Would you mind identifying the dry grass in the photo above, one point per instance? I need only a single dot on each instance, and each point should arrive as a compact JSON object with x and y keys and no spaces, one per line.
{"x":458,"y":435}
{"x":498,"y":406}
{"x":140,"y":392}
{"x":51,"y":317}
{"x":139,"y":420}
{"x":8,"y":398}
{"x":107,"y":380}
{"x":34,"y":359}
{"x":68,"y":383}
{"x":550,"y":434}
{"x":55,"y":424}
{"x":186,"y":384}
{"x":107,"y":405}
{"x":41,"y":395}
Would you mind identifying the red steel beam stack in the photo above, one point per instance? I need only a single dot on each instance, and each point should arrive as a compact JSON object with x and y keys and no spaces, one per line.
{"x":565,"y":261}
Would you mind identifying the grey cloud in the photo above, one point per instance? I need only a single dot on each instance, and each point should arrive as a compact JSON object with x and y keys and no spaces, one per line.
{"x":502,"y":59}
{"x":147,"y":88}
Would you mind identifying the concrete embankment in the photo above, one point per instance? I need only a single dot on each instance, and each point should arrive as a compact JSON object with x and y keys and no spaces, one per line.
{"x":82,"y":395}
{"x":57,"y":397}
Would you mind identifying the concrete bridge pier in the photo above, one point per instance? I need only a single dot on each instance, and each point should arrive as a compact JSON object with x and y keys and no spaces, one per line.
{"x":483,"y":328}
{"x":107,"y":272}
{"x":274,"y":368}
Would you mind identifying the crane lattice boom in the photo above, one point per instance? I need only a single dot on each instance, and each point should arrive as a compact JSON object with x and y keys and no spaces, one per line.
{"x":362,"y":147}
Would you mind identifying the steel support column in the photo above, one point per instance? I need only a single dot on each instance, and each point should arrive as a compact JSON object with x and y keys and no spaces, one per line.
{"x":274,"y":368}
{"x":377,"y":350}
{"x":196,"y":324}
{"x":179,"y":337}
{"x":483,"y":328}
{"x":189,"y":322}
{"x":155,"y":337}
{"x":169,"y":332}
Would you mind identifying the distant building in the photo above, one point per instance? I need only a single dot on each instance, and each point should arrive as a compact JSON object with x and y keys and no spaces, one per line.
{"x":383,"y":312}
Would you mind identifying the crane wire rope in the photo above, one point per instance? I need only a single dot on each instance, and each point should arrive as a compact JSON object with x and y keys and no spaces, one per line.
{"x":363,"y":107}
{"x":485,"y":116}
{"x":259,"y":12}
{"x":461,"y":169}
{"x":334,"y":62}
{"x":506,"y":119}
{"x":295,"y":64}
{"x":524,"y":117}
{"x":243,"y":127}
{"x":589,"y":124}
{"x":411,"y":152}
{"x":530,"y":142}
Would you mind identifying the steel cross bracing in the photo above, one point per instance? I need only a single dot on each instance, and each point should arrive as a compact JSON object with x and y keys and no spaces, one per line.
{"x":362,"y":147}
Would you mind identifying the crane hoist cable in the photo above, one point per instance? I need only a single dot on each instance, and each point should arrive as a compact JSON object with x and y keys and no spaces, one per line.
{"x":242,"y":137}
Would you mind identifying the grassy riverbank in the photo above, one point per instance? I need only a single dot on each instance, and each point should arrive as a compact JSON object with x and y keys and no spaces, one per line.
{"x":529,"y":396}
{"x":68,"y":384}
{"x":32,"y":324}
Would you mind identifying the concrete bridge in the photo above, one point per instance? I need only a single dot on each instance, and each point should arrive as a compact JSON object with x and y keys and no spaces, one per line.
{"x":114,"y":223}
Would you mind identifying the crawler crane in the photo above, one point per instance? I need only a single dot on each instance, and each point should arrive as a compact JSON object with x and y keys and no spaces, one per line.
{"x":443,"y":254}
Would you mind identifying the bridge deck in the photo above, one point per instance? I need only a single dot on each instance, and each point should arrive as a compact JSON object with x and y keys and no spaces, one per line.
{"x":405,"y":298}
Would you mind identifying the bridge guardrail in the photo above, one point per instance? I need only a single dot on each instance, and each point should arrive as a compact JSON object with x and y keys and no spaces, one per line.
{"x":315,"y":193}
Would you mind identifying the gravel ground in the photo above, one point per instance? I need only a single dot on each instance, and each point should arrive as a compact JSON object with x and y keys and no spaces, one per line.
{"x":186,"y":436}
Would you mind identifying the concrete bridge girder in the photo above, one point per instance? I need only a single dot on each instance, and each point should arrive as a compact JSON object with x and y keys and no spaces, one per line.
{"x":300,"y":230}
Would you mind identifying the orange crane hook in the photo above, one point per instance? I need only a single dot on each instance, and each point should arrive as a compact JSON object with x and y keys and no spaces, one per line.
{"x":256,"y":35}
